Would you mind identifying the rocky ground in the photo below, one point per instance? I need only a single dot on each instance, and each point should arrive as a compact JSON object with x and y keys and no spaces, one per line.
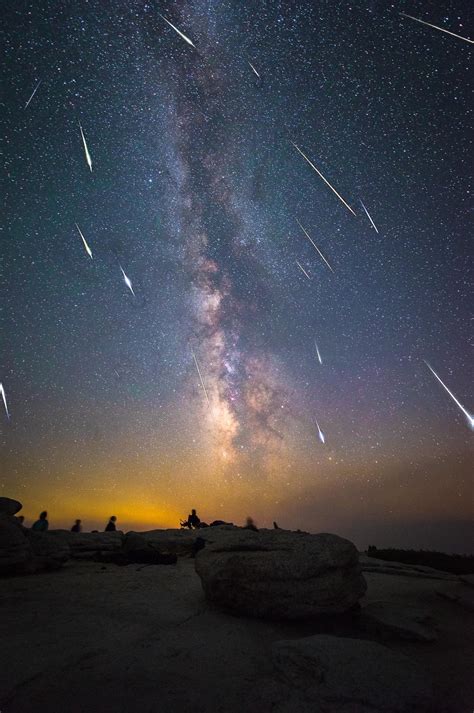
{"x":94,"y":636}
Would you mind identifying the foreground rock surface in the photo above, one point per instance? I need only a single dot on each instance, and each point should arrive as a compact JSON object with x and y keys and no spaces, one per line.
{"x":400,"y":621}
{"x":278,"y":574}
{"x":335,"y":674}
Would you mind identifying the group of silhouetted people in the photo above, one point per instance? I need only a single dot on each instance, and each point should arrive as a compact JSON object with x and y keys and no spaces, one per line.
{"x":194,"y":523}
{"x":42,"y":524}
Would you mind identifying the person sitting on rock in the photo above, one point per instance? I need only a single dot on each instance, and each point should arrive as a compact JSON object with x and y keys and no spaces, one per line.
{"x":42,"y":524}
{"x":77,"y":527}
{"x":193,"y":521}
{"x":111,"y":526}
{"x":250,"y":525}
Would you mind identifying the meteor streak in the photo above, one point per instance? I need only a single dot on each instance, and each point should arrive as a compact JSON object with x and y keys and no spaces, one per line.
{"x":324,"y":179}
{"x":186,"y":39}
{"x":254,"y":69}
{"x":320,"y":433}
{"x":200,"y":377}
{"x":302,"y":269}
{"x":88,"y":250}
{"x":368,"y":216}
{"x":470,"y":419}
{"x":317,"y":352}
{"x":34,"y":92}
{"x":127,"y":281}
{"x":441,"y":29}
{"x":86,"y":150}
{"x":2,"y":391}
{"x":314,"y":245}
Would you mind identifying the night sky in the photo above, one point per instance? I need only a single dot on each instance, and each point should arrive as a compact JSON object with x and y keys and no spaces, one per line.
{"x":195,"y":192}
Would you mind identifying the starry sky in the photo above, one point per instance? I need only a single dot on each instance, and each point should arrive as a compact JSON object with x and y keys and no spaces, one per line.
{"x":195,"y":192}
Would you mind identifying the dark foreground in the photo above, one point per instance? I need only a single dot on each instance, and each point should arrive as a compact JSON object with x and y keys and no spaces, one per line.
{"x":96,"y":637}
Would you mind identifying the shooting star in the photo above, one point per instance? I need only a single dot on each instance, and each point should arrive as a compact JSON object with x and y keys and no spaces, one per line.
{"x":88,"y":250}
{"x":441,"y":29}
{"x":320,"y":433}
{"x":470,"y":419}
{"x":317,"y":352}
{"x":200,"y":377}
{"x":34,"y":92}
{"x":2,"y":391}
{"x":368,"y":216}
{"x":302,"y":269}
{"x":324,"y":179}
{"x":86,"y":150}
{"x":186,"y":39}
{"x":127,"y":281}
{"x":255,"y":71}
{"x":314,"y":245}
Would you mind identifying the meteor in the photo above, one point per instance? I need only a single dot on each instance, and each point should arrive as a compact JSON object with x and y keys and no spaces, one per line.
{"x":186,"y":39}
{"x":470,"y":419}
{"x":441,"y":29}
{"x":302,"y":269}
{"x":127,"y":281}
{"x":254,"y":69}
{"x":200,"y":377}
{"x":320,"y":433}
{"x":2,"y":392}
{"x":86,"y":150}
{"x":314,"y":245}
{"x":324,"y":179}
{"x":88,"y":250}
{"x":34,"y":92}
{"x":368,"y":216}
{"x":317,"y":352}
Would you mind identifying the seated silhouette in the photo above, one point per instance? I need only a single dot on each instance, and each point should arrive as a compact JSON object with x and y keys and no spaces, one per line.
{"x":111,"y":526}
{"x":42,"y":524}
{"x":77,"y":527}
{"x":193,"y":521}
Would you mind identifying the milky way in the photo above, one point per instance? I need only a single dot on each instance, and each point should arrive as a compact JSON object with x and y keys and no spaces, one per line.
{"x":210,"y":355}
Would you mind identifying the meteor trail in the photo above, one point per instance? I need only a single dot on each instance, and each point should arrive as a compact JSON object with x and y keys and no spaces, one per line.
{"x":186,"y":39}
{"x":368,"y":216}
{"x":88,"y":250}
{"x":254,"y":69}
{"x":317,"y":352}
{"x":2,"y":391}
{"x":34,"y":92}
{"x":324,"y":179}
{"x":86,"y":150}
{"x":470,"y":419}
{"x":200,"y":377}
{"x":302,"y":269}
{"x":127,"y":281}
{"x":441,"y":29}
{"x":320,"y":433}
{"x":314,"y":245}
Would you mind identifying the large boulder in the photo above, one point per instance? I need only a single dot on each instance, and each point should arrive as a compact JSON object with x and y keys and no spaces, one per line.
{"x":86,"y":545}
{"x":278,"y":574}
{"x":15,"y":549}
{"x":9,"y":506}
{"x":336,"y":674}
{"x":49,"y":552}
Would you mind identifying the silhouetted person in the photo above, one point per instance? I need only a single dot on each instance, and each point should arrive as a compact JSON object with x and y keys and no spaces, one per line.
{"x":42,"y":524}
{"x":275,"y":526}
{"x":250,"y":525}
{"x":77,"y":527}
{"x":111,"y":527}
{"x":193,"y":520}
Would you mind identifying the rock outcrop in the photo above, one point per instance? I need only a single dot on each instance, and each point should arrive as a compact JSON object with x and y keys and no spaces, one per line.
{"x":277,"y":574}
{"x":23,"y":551}
{"x":86,"y":545}
{"x":336,"y":674}
{"x":372,"y":564}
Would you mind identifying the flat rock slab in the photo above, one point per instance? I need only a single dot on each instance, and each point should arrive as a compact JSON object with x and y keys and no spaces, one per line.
{"x":83,"y":544}
{"x":278,"y":574}
{"x":398,"y":621}
{"x":9,"y":506}
{"x":461,"y":594}
{"x":336,"y":674}
{"x":372,"y":564}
